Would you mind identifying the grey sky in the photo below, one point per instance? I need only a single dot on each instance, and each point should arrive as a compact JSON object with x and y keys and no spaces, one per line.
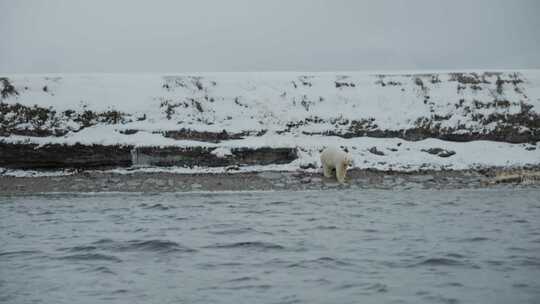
{"x":256,"y":35}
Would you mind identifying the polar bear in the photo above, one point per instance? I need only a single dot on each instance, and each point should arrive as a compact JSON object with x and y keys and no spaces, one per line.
{"x":334,"y":158}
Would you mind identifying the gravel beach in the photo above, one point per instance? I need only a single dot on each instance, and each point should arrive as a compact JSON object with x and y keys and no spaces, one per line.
{"x":100,"y":181}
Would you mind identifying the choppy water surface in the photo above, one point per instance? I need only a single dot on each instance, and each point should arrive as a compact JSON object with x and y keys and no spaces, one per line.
{"x":458,"y":246}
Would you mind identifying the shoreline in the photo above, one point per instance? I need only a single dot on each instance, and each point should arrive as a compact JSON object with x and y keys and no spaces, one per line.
{"x":159,"y":182}
{"x":434,"y":130}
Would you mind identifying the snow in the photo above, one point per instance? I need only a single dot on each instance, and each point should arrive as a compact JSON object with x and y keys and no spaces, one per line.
{"x":221,"y":152}
{"x":239,"y":102}
{"x":400,"y":155}
{"x":34,"y":173}
{"x":270,"y":100}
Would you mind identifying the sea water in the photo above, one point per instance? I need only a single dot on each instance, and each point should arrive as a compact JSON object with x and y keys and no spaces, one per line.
{"x":349,"y":246}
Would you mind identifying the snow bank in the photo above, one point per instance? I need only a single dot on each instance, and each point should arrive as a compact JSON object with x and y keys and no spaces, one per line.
{"x":303,"y":110}
{"x":314,"y":102}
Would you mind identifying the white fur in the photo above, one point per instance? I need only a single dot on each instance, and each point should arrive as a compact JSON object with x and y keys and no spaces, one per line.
{"x":335,"y":158}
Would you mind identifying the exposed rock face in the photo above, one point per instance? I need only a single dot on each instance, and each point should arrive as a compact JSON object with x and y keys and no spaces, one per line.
{"x":215,"y":137}
{"x":18,"y":119}
{"x":202,"y":156}
{"x":30,"y":156}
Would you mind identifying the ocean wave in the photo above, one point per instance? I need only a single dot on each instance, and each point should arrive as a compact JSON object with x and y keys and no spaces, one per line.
{"x":320,"y":262}
{"x":135,"y":245}
{"x":7,"y":254}
{"x":256,"y":245}
{"x":90,"y":257}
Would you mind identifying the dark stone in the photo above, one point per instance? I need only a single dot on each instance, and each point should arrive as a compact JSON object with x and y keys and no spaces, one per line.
{"x":128,"y":131}
{"x":340,"y":84}
{"x":439,"y":152}
{"x":446,"y":153}
{"x":374,"y":150}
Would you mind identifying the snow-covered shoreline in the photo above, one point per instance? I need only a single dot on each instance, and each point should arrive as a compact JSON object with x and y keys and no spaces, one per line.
{"x":408,"y":121}
{"x":368,"y":153}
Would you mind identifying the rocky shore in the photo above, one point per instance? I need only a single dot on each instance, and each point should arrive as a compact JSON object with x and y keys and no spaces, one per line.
{"x":101,"y":181}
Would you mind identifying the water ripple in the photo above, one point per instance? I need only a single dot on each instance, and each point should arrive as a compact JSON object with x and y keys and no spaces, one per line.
{"x":153,"y":245}
{"x":8,"y":254}
{"x":90,"y":257}
{"x":475,"y":239}
{"x":157,"y":206}
{"x":255,"y":245}
{"x":259,"y":286}
{"x":243,"y":279}
{"x":136,"y":245}
{"x":102,"y":270}
{"x":440,"y":261}
{"x":323,"y":261}
{"x":233,"y":231}
{"x":279,"y":247}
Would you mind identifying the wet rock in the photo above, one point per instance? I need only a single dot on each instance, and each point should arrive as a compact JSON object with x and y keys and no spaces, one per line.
{"x":439,"y":152}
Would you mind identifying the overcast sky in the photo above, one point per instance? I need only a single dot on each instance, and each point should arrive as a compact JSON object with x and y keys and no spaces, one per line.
{"x":74,"y":36}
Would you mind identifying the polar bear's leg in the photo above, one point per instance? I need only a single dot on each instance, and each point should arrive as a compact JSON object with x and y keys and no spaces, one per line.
{"x":327,"y":171}
{"x":341,"y":171}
